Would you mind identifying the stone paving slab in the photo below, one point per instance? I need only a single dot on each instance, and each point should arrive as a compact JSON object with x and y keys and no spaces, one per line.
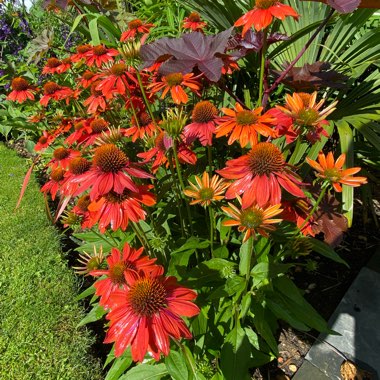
{"x":357,"y":319}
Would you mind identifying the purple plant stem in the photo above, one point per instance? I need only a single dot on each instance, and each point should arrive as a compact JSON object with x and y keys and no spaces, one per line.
{"x":291,"y":65}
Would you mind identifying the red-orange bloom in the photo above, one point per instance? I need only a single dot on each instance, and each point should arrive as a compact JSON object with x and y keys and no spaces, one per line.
{"x":77,"y":166}
{"x":56,"y":92}
{"x":110,"y":171}
{"x":260,"y":174}
{"x":123,"y":268}
{"x":203,"y":125}
{"x":135,"y":26}
{"x":297,"y":212}
{"x":99,"y":55}
{"x":262,"y":14}
{"x":57,"y":178}
{"x":56,"y":66}
{"x":244,"y":125}
{"x":21,"y":90}
{"x":81,"y":210}
{"x":82,"y":50}
{"x":141,"y":128}
{"x":333,"y":172}
{"x":115,"y":210}
{"x":146,"y":313}
{"x":44,"y":141}
{"x":163,"y":143}
{"x":194,"y":22}
{"x":96,"y":102}
{"x":88,"y":78}
{"x":62,"y":157}
{"x":252,"y":220}
{"x":175,"y":83}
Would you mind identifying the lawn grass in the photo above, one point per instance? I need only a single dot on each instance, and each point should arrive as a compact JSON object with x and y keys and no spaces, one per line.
{"x":38,"y":312}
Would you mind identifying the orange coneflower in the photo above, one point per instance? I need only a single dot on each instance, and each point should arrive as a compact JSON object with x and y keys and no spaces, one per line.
{"x":81,"y":53}
{"x":194,"y":22}
{"x":57,"y":179}
{"x":77,"y":166}
{"x":135,"y":26}
{"x":260,"y":174}
{"x":88,"y":78}
{"x":44,"y":141}
{"x":62,"y":157}
{"x":123,"y":268}
{"x":244,"y":125}
{"x":205,"y":191}
{"x":141,"y":128}
{"x":21,"y":90}
{"x":297,"y":211}
{"x":307,"y":117}
{"x":55,"y":65}
{"x":89,"y":262}
{"x":80,"y":211}
{"x":262,"y":14}
{"x":147,"y":312}
{"x":333,"y":172}
{"x":203,"y":125}
{"x":252,"y":220}
{"x":56,"y":92}
{"x":174,"y":83}
{"x":81,"y":131}
{"x":99,"y":55}
{"x":96,"y":102}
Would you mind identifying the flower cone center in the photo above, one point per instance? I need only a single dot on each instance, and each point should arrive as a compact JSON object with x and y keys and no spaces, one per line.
{"x":147,"y":296}
{"x":57,"y":174}
{"x":100,"y":50}
{"x":113,"y":197}
{"x":252,"y":218}
{"x":109,"y":158}
{"x":116,"y":273}
{"x":99,"y":125}
{"x":134,"y":24}
{"x":206,"y":193}
{"x":83,"y":202}
{"x":308,"y":116}
{"x":50,"y":88}
{"x":265,"y":158}
{"x":144,"y":119}
{"x":83,"y":49}
{"x":53,"y":62}
{"x":332,"y":174}
{"x":61,"y":153}
{"x":87,"y":75}
{"x":20,"y":84}
{"x":194,"y":17}
{"x":79,"y":165}
{"x":265,"y":4}
{"x":94,"y":91}
{"x":174,"y":79}
{"x":245,"y":118}
{"x":42,"y":140}
{"x":204,"y":112}
{"x":79,"y":126}
{"x":118,"y":69}
{"x":93,"y":264}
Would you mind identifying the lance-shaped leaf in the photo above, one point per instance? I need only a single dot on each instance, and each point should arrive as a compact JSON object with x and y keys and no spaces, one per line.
{"x":189,"y":51}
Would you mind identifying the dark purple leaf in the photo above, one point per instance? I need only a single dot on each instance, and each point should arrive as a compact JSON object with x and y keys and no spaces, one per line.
{"x":313,"y":77}
{"x":54,"y":4}
{"x":189,"y":51}
{"x":344,"y":6}
{"x":276,"y":37}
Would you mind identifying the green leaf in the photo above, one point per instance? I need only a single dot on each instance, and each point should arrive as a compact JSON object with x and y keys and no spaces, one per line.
{"x":95,"y":314}
{"x":264,"y":271}
{"x":176,"y":366}
{"x":221,"y":252}
{"x":119,"y":366}
{"x":87,"y":292}
{"x":93,"y":27}
{"x":326,"y":251}
{"x":252,"y":337}
{"x":245,"y":254}
{"x":245,"y":305}
{"x":146,"y":372}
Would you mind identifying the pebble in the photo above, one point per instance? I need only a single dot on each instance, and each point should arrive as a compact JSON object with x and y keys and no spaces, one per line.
{"x":293,"y":368}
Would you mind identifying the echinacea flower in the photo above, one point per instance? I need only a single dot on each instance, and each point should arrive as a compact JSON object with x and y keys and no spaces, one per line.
{"x":135,"y":26}
{"x":82,"y":50}
{"x":110,"y":171}
{"x":62,"y":157}
{"x":260,"y":174}
{"x":175,"y":83}
{"x":44,"y":141}
{"x":244,"y":125}
{"x":332,"y":171}
{"x":56,"y":92}
{"x":262,"y":14}
{"x":116,"y":210}
{"x":99,"y":55}
{"x":146,"y":313}
{"x":252,"y":220}
{"x":123,"y":268}
{"x":205,"y":191}
{"x":307,"y":117}
{"x":57,"y":178}
{"x":89,"y":262}
{"x":203,"y":125}
{"x":21,"y":90}
{"x":81,"y":210}
{"x":194,"y":22}
{"x":297,"y":211}
{"x":77,"y":166}
{"x":88,"y":78}
{"x":96,"y":102}
{"x":56,"y":66}
{"x":141,"y":128}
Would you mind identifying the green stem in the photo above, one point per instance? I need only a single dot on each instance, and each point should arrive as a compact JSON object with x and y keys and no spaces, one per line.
{"x":321,"y":195}
{"x":179,"y":173}
{"x":249,"y":262}
{"x":145,"y":97}
{"x":211,"y":214}
{"x":209,"y":155}
{"x":262,"y":66}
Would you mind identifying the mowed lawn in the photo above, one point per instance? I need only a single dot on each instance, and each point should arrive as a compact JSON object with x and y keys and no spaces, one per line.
{"x":38,"y":311}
